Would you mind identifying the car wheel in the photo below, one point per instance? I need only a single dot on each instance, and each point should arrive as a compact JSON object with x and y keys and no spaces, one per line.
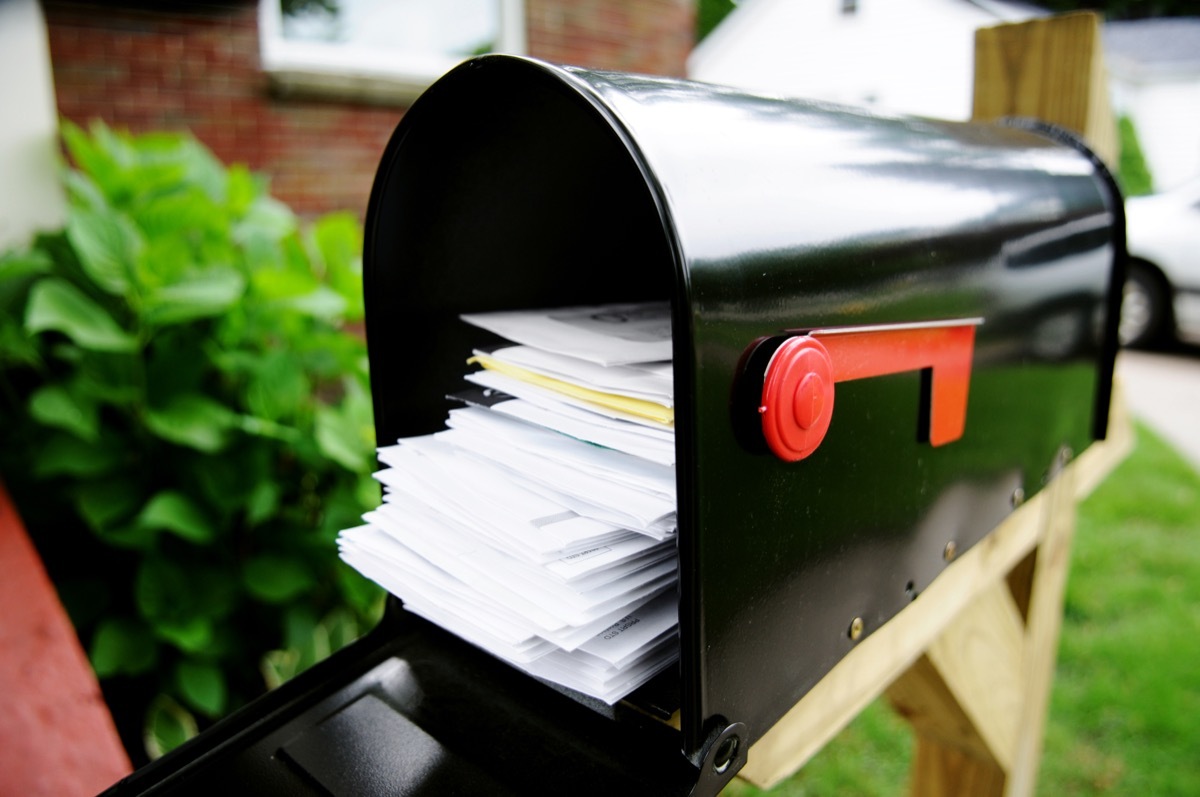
{"x":1145,"y":309}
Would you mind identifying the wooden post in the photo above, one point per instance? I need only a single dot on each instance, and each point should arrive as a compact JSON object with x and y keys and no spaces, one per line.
{"x":1050,"y":69}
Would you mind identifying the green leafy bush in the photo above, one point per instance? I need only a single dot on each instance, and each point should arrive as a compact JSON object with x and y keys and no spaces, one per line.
{"x":185,"y":424}
{"x":1133,"y":173}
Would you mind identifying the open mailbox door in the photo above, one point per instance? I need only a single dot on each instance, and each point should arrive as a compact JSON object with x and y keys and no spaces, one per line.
{"x":886,"y":333}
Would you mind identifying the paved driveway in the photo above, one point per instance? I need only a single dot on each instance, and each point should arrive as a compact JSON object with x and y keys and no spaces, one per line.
{"x":1163,"y":390}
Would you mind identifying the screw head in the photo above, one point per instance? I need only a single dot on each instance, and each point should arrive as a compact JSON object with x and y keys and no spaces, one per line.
{"x":1018,"y":497}
{"x":856,"y":628}
{"x":950,"y":551}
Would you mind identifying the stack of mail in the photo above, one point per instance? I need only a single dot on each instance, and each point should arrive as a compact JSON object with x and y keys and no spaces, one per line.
{"x":540,"y":524}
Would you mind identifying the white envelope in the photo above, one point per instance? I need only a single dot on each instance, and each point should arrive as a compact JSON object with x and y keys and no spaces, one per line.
{"x":607,"y":335}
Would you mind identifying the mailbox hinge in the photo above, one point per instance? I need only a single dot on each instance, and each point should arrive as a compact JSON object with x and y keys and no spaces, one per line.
{"x":721,"y":757}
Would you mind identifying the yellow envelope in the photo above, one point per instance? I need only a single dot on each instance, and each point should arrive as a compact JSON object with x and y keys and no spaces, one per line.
{"x":639,"y":407}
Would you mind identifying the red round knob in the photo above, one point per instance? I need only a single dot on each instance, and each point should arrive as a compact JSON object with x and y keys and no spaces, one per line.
{"x":809,"y":401}
{"x":797,"y":398}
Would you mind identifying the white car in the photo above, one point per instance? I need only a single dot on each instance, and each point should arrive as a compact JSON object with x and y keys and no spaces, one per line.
{"x":1162,"y":289}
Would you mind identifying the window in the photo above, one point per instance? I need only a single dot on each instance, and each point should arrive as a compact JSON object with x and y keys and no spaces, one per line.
{"x":380,"y":50}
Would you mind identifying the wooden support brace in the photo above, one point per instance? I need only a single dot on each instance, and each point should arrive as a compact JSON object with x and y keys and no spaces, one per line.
{"x":1042,"y":630}
{"x":966,"y":692}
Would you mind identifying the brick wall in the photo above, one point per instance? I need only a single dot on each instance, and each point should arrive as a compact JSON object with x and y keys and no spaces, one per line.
{"x":175,"y":66}
{"x":648,"y":36}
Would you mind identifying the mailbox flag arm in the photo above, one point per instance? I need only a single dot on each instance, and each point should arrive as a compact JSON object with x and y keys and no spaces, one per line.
{"x":798,"y":395}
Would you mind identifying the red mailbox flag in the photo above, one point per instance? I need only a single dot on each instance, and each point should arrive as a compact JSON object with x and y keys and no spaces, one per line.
{"x":797,"y":397}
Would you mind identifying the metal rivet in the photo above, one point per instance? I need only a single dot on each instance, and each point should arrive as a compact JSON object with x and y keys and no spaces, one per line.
{"x":1018,"y":497}
{"x":950,"y":551}
{"x":856,"y":628}
{"x":726,"y":754}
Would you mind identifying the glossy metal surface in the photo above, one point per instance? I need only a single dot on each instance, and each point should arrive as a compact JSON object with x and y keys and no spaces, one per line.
{"x":515,"y":184}
{"x":412,"y":711}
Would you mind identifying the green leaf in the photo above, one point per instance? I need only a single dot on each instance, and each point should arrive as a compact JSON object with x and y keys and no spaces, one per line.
{"x":193,"y":420}
{"x":122,"y":646}
{"x":18,"y":271}
{"x":281,"y":284}
{"x":68,"y":352}
{"x":108,"y":246}
{"x":183,"y":215}
{"x":276,"y":579}
{"x":342,"y":506}
{"x":15,"y":264}
{"x":16,"y":347}
{"x":172,"y":511}
{"x":304,"y":634}
{"x":64,"y":455}
{"x":278,"y":388}
{"x":323,"y":302}
{"x":115,"y":379}
{"x":163,"y":591}
{"x":299,"y":624}
{"x":59,"y":306}
{"x":208,"y":293}
{"x":100,"y":155}
{"x":203,"y":686}
{"x":260,"y":427}
{"x":182,"y":599}
{"x":341,"y":628}
{"x":216,"y":591}
{"x":339,"y":439}
{"x":168,"y":725}
{"x":224,"y":483}
{"x":187,"y":161}
{"x":279,"y":666}
{"x":366,"y":491}
{"x":84,"y":192}
{"x":339,"y":240}
{"x":267,"y":218}
{"x":54,"y":405}
{"x":362,"y":594}
{"x":263,"y":502}
{"x":104,"y":504}
{"x":241,"y":189}
{"x":346,"y":433}
{"x":191,"y":635}
{"x":128,"y":535}
{"x":177,"y":364}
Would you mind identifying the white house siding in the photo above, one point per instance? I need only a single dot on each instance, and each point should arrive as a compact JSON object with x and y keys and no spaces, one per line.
{"x":30,"y":197}
{"x":1166,"y":113}
{"x":1154,"y":72}
{"x":907,"y":56}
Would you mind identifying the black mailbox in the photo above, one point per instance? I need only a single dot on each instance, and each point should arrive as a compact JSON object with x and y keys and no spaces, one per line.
{"x":951,"y":284}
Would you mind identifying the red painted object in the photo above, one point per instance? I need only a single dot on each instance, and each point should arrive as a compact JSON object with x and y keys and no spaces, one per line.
{"x":56,"y":735}
{"x":798,"y":394}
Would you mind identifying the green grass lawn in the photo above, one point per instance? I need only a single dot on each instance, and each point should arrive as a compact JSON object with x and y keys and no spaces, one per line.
{"x":1125,"y":712}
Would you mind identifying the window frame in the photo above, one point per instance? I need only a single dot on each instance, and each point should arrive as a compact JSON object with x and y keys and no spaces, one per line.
{"x":336,"y":70}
